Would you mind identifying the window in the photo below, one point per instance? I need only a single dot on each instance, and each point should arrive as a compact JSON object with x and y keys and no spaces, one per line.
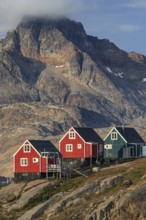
{"x":26,"y":148}
{"x":71,"y":135}
{"x":114,"y":136}
{"x":69,"y":148}
{"x":100,"y":147}
{"x":79,"y":146}
{"x":35,"y":160}
{"x":24,"y":162}
{"x":45,"y":154}
{"x":108,"y":146}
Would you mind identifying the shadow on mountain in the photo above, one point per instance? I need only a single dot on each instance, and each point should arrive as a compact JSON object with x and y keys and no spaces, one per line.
{"x":30,"y":68}
{"x":94,"y":119}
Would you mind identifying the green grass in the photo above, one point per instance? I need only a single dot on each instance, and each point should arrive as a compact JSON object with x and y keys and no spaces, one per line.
{"x":66,"y":185}
{"x":136,"y":172}
{"x":9,"y":215}
{"x":133,"y":172}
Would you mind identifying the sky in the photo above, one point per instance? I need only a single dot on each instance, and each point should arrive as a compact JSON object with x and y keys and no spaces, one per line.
{"x":120,"y":21}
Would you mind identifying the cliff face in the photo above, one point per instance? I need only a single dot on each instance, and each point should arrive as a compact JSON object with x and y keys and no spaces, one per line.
{"x":57,"y":62}
{"x":126,"y":204}
{"x":46,"y":62}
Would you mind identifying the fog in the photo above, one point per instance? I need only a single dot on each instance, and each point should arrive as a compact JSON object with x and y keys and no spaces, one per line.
{"x":12,"y":11}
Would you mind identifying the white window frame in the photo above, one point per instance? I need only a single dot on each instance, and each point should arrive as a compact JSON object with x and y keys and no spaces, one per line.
{"x":69,"y":147}
{"x":79,"y":146}
{"x":44,"y":154}
{"x":35,"y":160}
{"x":26,"y":148}
{"x":108,"y":146}
{"x":24,"y":162}
{"x":114,"y":135}
{"x":72,"y":135}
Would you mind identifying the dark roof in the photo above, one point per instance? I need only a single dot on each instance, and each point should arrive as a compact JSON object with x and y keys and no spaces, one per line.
{"x":130,"y":135}
{"x":88,"y":134}
{"x":44,"y":146}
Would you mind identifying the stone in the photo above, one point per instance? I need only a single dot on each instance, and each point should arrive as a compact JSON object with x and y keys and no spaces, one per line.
{"x":53,"y":76}
{"x":127,"y":183}
{"x":95,"y":169}
{"x":68,"y":204}
{"x":91,"y":204}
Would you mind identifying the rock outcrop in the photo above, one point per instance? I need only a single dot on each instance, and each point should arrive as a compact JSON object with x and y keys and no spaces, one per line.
{"x":88,"y":81}
{"x":55,"y":61}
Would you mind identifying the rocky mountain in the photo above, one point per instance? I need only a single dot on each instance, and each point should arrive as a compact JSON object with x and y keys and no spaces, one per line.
{"x":53,"y":75}
{"x":55,"y":61}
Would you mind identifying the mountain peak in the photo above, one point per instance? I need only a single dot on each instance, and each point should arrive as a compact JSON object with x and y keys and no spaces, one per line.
{"x":57,"y":77}
{"x":62,"y":23}
{"x":55,"y":61}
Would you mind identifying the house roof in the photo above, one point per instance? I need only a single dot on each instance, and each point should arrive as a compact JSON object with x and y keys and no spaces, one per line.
{"x":130,"y":135}
{"x":88,"y":134}
{"x":44,"y":146}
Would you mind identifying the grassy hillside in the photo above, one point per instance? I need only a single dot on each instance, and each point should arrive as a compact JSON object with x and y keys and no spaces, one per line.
{"x":131,"y":177}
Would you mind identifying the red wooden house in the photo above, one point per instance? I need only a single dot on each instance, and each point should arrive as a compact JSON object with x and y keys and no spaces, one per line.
{"x":36,"y":159}
{"x":83,"y":144}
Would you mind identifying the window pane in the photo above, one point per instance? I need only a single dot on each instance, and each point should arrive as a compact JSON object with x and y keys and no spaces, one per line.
{"x":24,"y":162}
{"x":72,"y":135}
{"x":26,"y":148}
{"x":69,"y":147}
{"x":79,"y":146}
{"x":114,"y":136}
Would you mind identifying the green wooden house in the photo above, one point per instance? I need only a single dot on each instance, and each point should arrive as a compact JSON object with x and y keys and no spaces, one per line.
{"x":123,"y":142}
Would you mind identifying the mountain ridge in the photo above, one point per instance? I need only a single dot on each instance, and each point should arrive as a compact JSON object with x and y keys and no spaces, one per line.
{"x":41,"y":51}
{"x":91,"y":82}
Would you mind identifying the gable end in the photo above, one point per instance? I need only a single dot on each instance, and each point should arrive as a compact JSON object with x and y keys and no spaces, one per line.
{"x":25,"y":142}
{"x":113,"y":130}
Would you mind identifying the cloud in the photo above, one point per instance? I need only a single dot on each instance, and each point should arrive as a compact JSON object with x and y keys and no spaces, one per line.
{"x":12,"y":11}
{"x":17,"y":8}
{"x":137,"y":4}
{"x":128,"y":28}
